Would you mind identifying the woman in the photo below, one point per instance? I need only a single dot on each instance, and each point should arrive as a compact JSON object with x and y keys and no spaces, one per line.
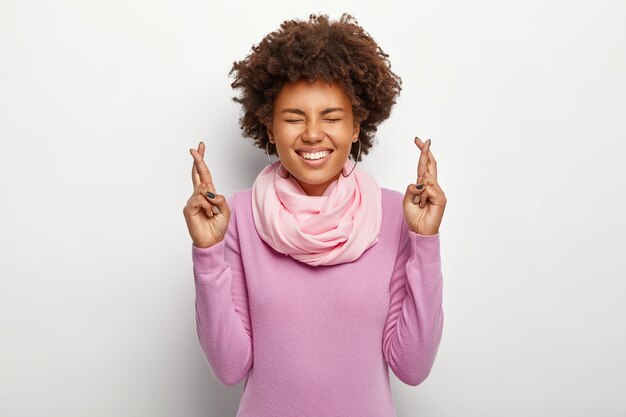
{"x":314,"y":281}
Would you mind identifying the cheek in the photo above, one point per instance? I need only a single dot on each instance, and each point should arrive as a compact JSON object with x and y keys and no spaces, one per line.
{"x":288,"y":131}
{"x":338,"y":131}
{"x":347,"y":134}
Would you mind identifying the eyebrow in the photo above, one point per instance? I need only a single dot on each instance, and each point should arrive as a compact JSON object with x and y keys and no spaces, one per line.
{"x":323,"y":112}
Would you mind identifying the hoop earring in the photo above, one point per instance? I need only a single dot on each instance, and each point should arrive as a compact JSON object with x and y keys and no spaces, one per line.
{"x":267,"y":152}
{"x":355,"y":161}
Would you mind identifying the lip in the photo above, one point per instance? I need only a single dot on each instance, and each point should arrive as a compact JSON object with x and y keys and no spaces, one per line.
{"x":312,"y":149}
{"x":317,"y":162}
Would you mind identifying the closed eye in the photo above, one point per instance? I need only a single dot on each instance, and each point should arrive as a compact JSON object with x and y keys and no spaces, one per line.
{"x":293,"y":120}
{"x":332,"y":120}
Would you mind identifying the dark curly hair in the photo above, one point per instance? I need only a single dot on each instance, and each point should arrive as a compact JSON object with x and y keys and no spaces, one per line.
{"x":339,"y":51}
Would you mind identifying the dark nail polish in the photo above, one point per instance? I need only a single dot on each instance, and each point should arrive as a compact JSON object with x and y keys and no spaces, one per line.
{"x":419,"y":186}
{"x":210,"y":194}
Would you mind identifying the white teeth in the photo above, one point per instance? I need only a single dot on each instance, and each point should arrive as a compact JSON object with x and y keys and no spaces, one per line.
{"x":315,"y":155}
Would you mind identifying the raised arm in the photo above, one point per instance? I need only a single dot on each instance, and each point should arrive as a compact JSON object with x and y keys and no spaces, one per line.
{"x":222,"y":315}
{"x":222,"y":318}
{"x":415,"y":321}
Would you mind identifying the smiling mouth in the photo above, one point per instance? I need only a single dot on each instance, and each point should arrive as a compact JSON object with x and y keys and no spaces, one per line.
{"x":314,"y":156}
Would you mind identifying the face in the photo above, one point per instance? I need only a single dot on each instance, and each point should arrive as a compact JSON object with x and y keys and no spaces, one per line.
{"x":313,"y":128}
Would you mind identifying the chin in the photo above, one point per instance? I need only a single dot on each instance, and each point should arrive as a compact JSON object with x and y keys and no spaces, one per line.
{"x":317,"y":178}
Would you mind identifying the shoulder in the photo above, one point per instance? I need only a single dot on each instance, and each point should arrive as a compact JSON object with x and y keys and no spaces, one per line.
{"x":239,"y":197}
{"x":390,"y":196}
{"x":394,"y":223}
{"x":240,"y":203}
{"x":391,"y":201}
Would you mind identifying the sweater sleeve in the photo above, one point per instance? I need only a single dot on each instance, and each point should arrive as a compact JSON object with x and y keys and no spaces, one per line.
{"x":414,"y":324}
{"x":222,"y":315}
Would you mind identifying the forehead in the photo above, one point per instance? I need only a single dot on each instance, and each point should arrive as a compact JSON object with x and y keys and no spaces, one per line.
{"x":304,"y":93}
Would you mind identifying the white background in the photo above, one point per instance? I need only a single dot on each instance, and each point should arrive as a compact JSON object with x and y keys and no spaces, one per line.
{"x":100,"y":102}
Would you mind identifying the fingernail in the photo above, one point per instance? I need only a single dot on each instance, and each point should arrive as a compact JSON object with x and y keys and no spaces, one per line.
{"x":419,"y":186}
{"x":210,"y":194}
{"x":428,"y":142}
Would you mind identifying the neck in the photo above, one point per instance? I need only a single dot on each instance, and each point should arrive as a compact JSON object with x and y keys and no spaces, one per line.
{"x":316,"y":189}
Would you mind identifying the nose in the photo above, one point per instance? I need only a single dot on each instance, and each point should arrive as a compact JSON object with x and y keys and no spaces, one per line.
{"x":313,"y":132}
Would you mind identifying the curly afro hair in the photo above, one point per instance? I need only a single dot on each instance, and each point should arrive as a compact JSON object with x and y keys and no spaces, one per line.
{"x":339,"y":51}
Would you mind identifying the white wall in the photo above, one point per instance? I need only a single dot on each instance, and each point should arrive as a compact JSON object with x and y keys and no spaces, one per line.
{"x":100,"y":102}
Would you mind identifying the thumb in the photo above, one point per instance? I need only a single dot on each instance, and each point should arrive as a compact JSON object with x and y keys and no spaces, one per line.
{"x":411,"y":192}
{"x":219,"y":202}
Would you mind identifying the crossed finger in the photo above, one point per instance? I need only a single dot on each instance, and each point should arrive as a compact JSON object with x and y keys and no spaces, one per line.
{"x":199,"y":170}
{"x":431,"y":163}
{"x":426,"y":170}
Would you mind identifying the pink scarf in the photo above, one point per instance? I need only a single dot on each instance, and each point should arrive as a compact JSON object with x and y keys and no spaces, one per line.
{"x":333,"y":228}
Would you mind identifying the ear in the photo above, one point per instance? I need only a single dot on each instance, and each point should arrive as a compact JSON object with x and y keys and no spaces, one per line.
{"x":270,"y":132}
{"x":356,"y":130}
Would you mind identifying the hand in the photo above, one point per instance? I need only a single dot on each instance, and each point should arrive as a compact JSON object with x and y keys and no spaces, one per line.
{"x":423,"y":209}
{"x":207,"y":218}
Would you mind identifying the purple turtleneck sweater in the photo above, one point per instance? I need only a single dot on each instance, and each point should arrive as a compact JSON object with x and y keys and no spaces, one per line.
{"x":319,"y":340}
